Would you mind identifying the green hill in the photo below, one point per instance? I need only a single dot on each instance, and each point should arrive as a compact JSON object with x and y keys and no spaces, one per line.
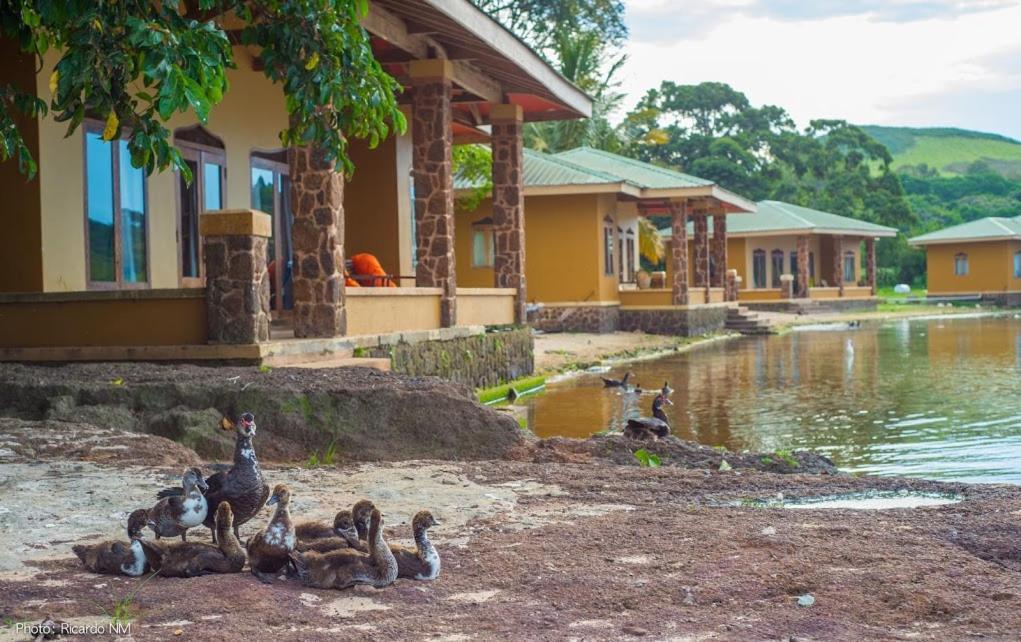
{"x":949,"y":150}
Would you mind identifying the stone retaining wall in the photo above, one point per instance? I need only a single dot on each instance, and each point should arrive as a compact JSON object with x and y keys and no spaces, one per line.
{"x":678,"y":322}
{"x":477,"y":361}
{"x":575,"y":318}
{"x":811,"y":305}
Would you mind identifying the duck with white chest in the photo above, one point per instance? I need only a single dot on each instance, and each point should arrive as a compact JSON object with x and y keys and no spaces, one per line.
{"x":269,"y":550}
{"x":173,"y":516}
{"x":114,"y":557}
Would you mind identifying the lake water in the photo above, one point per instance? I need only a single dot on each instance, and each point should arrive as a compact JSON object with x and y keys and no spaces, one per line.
{"x":935,"y":398}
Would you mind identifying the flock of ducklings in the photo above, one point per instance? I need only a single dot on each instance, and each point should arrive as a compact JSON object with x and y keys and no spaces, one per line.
{"x":347,"y":552}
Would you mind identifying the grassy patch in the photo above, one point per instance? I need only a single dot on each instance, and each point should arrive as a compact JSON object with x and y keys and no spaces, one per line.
{"x":329,"y":456}
{"x":520,"y":386}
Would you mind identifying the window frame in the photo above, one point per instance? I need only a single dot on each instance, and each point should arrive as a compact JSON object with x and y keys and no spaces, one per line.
{"x":629,"y":255}
{"x":279,"y":170}
{"x":485,"y":227}
{"x":774,"y":279}
{"x":610,"y":264}
{"x":759,"y":254}
{"x":90,"y":125}
{"x":1017,"y":264}
{"x":850,"y":260}
{"x":962,"y":256}
{"x":200,"y":154}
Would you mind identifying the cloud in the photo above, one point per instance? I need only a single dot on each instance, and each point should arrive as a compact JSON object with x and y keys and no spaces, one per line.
{"x":835,"y":63}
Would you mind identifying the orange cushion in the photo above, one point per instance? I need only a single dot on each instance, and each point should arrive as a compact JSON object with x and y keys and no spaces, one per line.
{"x":366,"y":264}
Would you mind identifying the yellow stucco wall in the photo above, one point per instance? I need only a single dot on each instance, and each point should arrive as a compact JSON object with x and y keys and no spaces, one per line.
{"x":21,"y":268}
{"x":485,"y":307}
{"x":563,"y":248}
{"x":381,"y":310}
{"x":990,"y":268}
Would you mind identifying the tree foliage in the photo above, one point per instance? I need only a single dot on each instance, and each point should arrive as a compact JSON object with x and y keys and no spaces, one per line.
{"x":541,"y":22}
{"x":134,"y":64}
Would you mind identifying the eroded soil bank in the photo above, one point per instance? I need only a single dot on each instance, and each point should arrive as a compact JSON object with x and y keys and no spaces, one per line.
{"x":534,"y":551}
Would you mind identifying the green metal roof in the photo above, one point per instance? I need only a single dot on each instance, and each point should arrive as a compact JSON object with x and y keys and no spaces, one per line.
{"x":776,"y":217}
{"x":641,"y":174}
{"x":546,"y":170}
{"x":991,"y":228}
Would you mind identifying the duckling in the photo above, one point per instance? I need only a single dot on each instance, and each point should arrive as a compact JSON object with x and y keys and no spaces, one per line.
{"x":615,"y":383}
{"x":652,"y":427}
{"x":191,"y":559}
{"x":422,"y":563}
{"x":342,"y":569}
{"x":242,"y":486}
{"x":321,"y":537}
{"x":361,"y":512}
{"x":117,"y":558}
{"x":172,"y":516}
{"x":269,"y":550}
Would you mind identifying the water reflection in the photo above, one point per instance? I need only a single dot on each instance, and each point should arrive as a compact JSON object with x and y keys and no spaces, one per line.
{"x":931,"y":398}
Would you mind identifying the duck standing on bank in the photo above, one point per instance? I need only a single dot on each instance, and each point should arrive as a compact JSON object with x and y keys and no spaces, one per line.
{"x":270,"y":549}
{"x":616,"y":383}
{"x":114,"y":557}
{"x":191,"y":559}
{"x":343,"y":569}
{"x":173,"y":516}
{"x":654,"y":427}
{"x":422,"y":562}
{"x":243,"y":486}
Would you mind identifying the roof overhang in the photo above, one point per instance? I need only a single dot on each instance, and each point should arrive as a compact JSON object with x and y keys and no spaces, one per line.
{"x":917,"y":242}
{"x":713,"y":197}
{"x":570,"y":190}
{"x":813,"y":232}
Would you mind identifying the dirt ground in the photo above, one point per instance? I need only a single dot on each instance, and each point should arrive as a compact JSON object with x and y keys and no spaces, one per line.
{"x":557,"y":351}
{"x":542,"y":551}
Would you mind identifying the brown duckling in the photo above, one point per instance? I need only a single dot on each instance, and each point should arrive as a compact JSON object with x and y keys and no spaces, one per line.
{"x":191,"y":559}
{"x":117,"y":558}
{"x":344,"y":568}
{"x":242,"y":485}
{"x":422,"y":562}
{"x":361,"y":512}
{"x":321,"y":537}
{"x":173,"y":516}
{"x":269,"y":550}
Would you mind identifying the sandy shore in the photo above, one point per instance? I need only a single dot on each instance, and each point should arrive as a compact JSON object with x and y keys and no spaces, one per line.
{"x":532,"y":551}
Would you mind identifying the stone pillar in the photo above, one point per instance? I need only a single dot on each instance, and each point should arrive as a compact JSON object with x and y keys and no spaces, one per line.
{"x":731,"y":282}
{"x":432,"y":142}
{"x":870,"y":264}
{"x":701,"y":272}
{"x":786,"y":286}
{"x":237,"y":281}
{"x":509,"y":203}
{"x":317,"y":236}
{"x":719,"y":280}
{"x":679,"y":253}
{"x":838,"y":267}
{"x":803,"y":270}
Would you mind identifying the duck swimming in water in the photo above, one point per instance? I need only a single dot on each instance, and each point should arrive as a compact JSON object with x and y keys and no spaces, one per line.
{"x":342,"y":569}
{"x":117,"y":558}
{"x":653,"y":427}
{"x":242,"y":486}
{"x":269,"y":551}
{"x":173,"y":516}
{"x":191,"y":559}
{"x":422,"y":562}
{"x":615,"y":383}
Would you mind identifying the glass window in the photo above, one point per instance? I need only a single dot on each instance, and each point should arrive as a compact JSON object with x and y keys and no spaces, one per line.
{"x":116,"y":213}
{"x":483,"y":245}
{"x":759,"y":268}
{"x":212,"y":183}
{"x":629,"y":272}
{"x":608,"y":262}
{"x":205,"y":157}
{"x":777,"y":265}
{"x":849,"y":275}
{"x":271,"y":193}
{"x":794,"y":265}
{"x":811,"y":266}
{"x":1017,"y":265}
{"x":961,"y":265}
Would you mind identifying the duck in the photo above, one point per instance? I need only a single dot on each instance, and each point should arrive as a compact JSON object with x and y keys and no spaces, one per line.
{"x":422,"y":562}
{"x":321,"y":537}
{"x":343,"y":569}
{"x":616,"y":383}
{"x":270,"y":548}
{"x":242,"y":485}
{"x":653,"y":427}
{"x":115,"y":557}
{"x":191,"y":559}
{"x":362,"y":514}
{"x":173,"y":516}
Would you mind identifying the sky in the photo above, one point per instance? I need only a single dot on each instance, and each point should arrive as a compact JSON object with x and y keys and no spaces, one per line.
{"x":920,"y":63}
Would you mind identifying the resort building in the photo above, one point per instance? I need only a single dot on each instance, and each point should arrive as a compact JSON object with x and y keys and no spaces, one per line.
{"x":978,"y":259}
{"x":583,"y":207}
{"x":785,"y":254}
{"x":101,"y":262}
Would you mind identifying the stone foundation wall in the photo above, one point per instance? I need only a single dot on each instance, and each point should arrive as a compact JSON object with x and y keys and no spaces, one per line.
{"x":811,"y":305}
{"x":1005,"y":299}
{"x":595,"y":318}
{"x":683,"y":323}
{"x":478,"y":361}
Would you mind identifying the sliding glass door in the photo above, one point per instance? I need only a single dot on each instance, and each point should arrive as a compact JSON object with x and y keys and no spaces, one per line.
{"x":204,"y":155}
{"x":271,"y":193}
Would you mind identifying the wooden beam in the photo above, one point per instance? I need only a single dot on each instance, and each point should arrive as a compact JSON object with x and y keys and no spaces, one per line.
{"x":471,"y":79}
{"x":382,"y":23}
